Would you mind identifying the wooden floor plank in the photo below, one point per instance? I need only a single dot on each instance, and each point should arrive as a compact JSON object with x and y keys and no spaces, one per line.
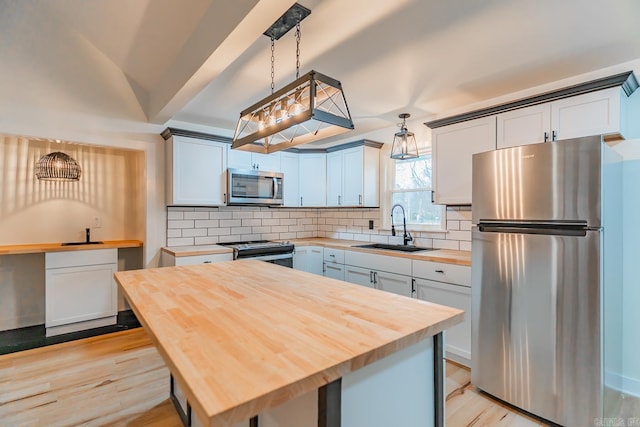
{"x":120,"y":380}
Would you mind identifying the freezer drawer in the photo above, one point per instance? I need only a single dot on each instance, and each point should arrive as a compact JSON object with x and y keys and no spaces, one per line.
{"x":536,"y":304}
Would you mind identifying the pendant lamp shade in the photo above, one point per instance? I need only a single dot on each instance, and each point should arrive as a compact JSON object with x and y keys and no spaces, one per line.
{"x":57,"y":166}
{"x":404,"y":142}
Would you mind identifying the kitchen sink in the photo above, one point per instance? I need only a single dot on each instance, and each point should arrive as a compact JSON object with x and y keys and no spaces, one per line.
{"x":80,"y":243}
{"x":401,"y":248}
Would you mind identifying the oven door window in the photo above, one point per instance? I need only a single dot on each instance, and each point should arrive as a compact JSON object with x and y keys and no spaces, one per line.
{"x":285,"y":262}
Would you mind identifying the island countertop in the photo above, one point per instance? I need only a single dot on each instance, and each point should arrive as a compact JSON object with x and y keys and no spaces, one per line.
{"x":246,"y":336}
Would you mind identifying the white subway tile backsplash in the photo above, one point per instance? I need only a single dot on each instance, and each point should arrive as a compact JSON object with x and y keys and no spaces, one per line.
{"x":200,"y":226}
{"x":180,"y":241}
{"x":446,"y":244}
{"x":193,"y":232}
{"x":196,"y":215}
{"x":175,"y":215}
{"x":180,"y":224}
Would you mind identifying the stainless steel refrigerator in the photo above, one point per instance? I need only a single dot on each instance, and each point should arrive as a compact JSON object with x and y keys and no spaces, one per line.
{"x":547,"y":277}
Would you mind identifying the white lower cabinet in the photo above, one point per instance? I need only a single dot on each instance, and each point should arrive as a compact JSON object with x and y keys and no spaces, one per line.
{"x":168,"y":260}
{"x":334,"y":271}
{"x":455,"y":292}
{"x":80,"y":292}
{"x":394,"y":283}
{"x":358,"y":275}
{"x":308,"y":258}
{"x":333,"y":265}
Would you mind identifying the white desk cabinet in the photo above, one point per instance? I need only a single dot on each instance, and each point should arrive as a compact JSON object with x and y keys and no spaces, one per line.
{"x":80,"y":292}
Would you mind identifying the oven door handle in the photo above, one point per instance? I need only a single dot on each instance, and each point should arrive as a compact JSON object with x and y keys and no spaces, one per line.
{"x":270,"y":257}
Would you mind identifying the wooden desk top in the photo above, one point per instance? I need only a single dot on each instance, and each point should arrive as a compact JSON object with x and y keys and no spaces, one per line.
{"x":246,"y":336}
{"x":37,"y":248}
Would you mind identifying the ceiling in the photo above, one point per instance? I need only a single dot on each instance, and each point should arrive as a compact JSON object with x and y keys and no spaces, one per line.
{"x":201,"y":62}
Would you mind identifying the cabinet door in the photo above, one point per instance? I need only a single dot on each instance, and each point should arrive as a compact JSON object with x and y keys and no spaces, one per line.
{"x":196,"y":172}
{"x":313,"y":179}
{"x":334,"y":179}
{"x":289,"y":166}
{"x":308,"y":258}
{"x":395,"y":283}
{"x":593,"y":113}
{"x":453,"y":147}
{"x":352,"y":177}
{"x":267,"y":162}
{"x":523,"y":126}
{"x":334,"y":271}
{"x":457,"y":338}
{"x":358,"y":275}
{"x":76,"y":294}
{"x":239,"y":159}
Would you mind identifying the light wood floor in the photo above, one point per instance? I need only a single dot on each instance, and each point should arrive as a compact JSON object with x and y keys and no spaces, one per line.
{"x":120,"y":380}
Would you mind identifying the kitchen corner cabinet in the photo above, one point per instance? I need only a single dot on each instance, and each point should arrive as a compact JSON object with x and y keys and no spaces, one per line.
{"x":290,"y":167}
{"x":313,"y":179}
{"x":453,"y":148}
{"x":248,"y":160}
{"x":353,"y":177}
{"x":196,"y":172}
{"x":80,"y":292}
{"x":595,"y":113}
{"x":308,"y":258}
{"x":450,"y":285}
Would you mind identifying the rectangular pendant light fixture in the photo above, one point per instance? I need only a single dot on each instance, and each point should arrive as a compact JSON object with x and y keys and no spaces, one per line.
{"x":310,"y":108}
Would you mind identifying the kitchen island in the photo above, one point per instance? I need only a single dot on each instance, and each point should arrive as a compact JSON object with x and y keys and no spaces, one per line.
{"x":248,"y":338}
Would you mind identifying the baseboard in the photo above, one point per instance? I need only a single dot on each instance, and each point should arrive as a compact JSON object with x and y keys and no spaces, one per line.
{"x":623,"y":384}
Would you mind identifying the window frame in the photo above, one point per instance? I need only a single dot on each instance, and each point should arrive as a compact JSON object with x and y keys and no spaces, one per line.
{"x":389,"y":191}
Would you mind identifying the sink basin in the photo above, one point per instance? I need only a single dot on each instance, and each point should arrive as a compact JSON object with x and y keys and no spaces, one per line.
{"x":401,"y":248}
{"x":80,"y":243}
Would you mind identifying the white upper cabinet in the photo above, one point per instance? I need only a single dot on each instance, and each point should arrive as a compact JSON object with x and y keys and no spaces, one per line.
{"x":453,"y":147}
{"x":290,"y":167}
{"x":248,"y":160}
{"x":353,"y":177}
{"x":528,"y":125}
{"x":313,"y":179}
{"x":196,"y":171}
{"x":595,"y":113}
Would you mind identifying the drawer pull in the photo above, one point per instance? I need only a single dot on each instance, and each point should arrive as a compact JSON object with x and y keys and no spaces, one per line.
{"x":207,"y":262}
{"x":440,"y":271}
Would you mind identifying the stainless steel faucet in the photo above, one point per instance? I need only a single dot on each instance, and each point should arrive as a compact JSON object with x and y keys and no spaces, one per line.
{"x":406,"y":236}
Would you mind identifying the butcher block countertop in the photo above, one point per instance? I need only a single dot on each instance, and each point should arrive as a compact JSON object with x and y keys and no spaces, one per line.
{"x":245,"y":336}
{"x":179,"y":251}
{"x":38,"y":248}
{"x":448,"y":256}
{"x":439,"y":255}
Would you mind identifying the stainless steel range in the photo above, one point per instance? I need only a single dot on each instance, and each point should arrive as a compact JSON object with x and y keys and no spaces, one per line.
{"x":280,"y":253}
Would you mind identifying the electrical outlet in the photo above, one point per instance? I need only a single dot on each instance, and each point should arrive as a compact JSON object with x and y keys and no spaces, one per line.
{"x":97,"y":222}
{"x":370,"y":224}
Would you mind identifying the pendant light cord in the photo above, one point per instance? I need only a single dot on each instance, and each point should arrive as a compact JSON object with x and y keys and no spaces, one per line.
{"x":298,"y":50}
{"x":273,"y":60}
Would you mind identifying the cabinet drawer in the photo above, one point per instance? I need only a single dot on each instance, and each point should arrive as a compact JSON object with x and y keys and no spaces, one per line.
{"x":378,"y":262}
{"x":80,"y":258}
{"x":202,"y":259}
{"x":443,"y":272}
{"x":334,"y":255}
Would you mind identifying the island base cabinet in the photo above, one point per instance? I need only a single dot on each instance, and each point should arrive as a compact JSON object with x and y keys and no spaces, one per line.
{"x":403,"y":389}
{"x":457,"y":338}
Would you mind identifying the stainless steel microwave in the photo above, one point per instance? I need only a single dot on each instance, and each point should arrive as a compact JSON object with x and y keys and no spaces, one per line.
{"x":254,"y":187}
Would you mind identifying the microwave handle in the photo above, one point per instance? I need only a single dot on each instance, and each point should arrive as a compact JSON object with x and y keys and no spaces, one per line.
{"x":275,"y":187}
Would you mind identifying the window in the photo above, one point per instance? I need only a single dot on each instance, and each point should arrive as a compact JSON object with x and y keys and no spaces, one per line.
{"x":411,"y":187}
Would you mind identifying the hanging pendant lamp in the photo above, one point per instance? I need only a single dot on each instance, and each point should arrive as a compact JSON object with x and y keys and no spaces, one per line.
{"x":57,"y":166}
{"x":311,"y":108}
{"x":404,"y":142}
